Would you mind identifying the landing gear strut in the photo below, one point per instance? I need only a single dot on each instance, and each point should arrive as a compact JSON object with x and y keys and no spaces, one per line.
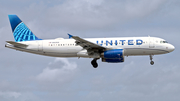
{"x":152,"y":62}
{"x":94,"y":63}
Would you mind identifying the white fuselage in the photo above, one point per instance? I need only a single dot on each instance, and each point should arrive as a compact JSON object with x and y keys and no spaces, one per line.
{"x":67,"y":47}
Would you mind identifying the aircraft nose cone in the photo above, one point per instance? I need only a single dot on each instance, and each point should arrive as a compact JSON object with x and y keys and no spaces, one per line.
{"x":171,"y":48}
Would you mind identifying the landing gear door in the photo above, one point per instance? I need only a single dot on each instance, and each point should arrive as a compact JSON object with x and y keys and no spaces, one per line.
{"x":151,"y":42}
{"x":40,"y":45}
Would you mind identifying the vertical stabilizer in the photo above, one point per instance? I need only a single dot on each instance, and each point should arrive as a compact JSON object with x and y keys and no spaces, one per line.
{"x":20,"y":31}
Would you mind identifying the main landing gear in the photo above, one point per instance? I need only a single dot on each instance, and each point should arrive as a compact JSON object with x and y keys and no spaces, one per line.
{"x":94,"y":62}
{"x":152,"y":62}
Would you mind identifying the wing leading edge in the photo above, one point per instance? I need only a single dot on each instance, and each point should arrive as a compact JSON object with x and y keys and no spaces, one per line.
{"x":86,"y":44}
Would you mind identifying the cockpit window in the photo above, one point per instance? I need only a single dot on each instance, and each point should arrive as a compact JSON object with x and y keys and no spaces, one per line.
{"x":163,"y":42}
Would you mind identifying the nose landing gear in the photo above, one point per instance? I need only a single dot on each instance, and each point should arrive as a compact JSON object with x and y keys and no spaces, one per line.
{"x":94,"y":63}
{"x":152,"y":62}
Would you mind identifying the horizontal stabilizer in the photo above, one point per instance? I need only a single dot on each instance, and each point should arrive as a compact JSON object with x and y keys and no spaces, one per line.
{"x":16,"y":44}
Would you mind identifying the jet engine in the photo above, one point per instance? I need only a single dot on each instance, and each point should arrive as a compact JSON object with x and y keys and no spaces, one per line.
{"x":113,"y":56}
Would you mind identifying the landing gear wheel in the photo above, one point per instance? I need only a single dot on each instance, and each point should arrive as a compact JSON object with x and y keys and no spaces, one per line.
{"x":151,"y":57}
{"x":152,"y":62}
{"x":94,"y":63}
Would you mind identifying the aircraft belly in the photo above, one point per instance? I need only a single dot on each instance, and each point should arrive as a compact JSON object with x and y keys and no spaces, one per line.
{"x":53,"y":54}
{"x":61,"y":52}
{"x":143,"y":51}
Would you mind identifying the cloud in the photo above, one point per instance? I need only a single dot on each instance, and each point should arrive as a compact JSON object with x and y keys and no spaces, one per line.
{"x":18,"y":96}
{"x":95,"y":2}
{"x":5,"y":35}
{"x":10,"y":94}
{"x":90,"y":14}
{"x":60,"y":70}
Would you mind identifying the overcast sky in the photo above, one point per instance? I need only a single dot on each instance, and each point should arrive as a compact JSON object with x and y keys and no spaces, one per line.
{"x":29,"y":77}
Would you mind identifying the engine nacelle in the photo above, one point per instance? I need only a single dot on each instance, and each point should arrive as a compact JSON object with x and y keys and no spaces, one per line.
{"x":113,"y":56}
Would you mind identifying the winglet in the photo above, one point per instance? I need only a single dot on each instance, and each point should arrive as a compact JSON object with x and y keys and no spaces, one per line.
{"x":70,"y":35}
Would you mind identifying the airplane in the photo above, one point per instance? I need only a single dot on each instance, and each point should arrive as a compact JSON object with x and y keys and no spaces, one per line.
{"x":110,"y":50}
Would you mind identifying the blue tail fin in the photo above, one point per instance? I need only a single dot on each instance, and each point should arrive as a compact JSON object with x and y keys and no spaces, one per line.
{"x":20,"y":31}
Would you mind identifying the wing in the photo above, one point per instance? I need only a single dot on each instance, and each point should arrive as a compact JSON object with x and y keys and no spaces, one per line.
{"x":16,"y":44}
{"x":87,"y":44}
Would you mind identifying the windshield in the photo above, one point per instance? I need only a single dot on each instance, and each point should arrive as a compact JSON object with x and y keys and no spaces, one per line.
{"x":163,"y":42}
